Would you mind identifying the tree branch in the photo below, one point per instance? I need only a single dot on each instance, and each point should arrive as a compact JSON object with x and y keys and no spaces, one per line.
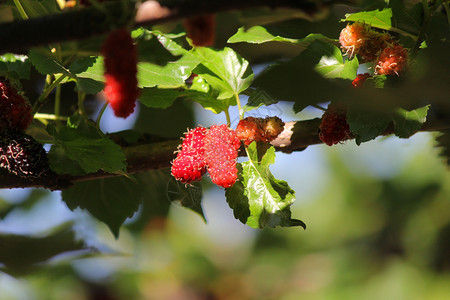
{"x":148,"y":156}
{"x":20,"y":35}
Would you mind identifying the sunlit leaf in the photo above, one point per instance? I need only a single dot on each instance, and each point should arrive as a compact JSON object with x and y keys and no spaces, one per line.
{"x":90,"y":68}
{"x":269,"y":199}
{"x":224,"y":70}
{"x":171,"y":75}
{"x":333,"y":66}
{"x":375,"y":18}
{"x":407,"y":122}
{"x":14,"y":63}
{"x":257,"y":35}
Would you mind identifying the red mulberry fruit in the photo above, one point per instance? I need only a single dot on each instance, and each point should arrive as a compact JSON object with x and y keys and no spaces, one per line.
{"x":392,"y":60}
{"x":334,"y":127}
{"x":353,"y":37}
{"x":189,"y":165}
{"x":257,"y":129}
{"x":374,"y":44}
{"x":120,"y":72}
{"x":15,"y":110}
{"x":360,"y":79}
{"x":21,"y":155}
{"x":221,"y":150}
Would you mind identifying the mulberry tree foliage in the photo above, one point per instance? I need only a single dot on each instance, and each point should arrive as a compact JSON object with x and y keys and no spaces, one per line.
{"x":377,"y":71}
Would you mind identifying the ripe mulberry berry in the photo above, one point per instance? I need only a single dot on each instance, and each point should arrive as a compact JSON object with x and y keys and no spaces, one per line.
{"x":353,"y":37}
{"x":221,"y":150}
{"x":360,"y":79}
{"x":21,"y":155}
{"x":392,"y":60}
{"x":15,"y":110}
{"x":120,"y":72}
{"x":374,"y":44}
{"x":256,"y":129}
{"x":334,"y":127}
{"x":189,"y":165}
{"x":249,"y":130}
{"x":201,"y":29}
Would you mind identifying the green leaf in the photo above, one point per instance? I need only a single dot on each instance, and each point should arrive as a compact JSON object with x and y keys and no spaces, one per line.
{"x":43,"y":60}
{"x":82,"y":65}
{"x":110,"y":200}
{"x":189,"y":197}
{"x":406,"y":123}
{"x":89,"y":86}
{"x":172,"y":75}
{"x":367,"y":124}
{"x":375,"y":18}
{"x":155,"y":203}
{"x":312,"y":88}
{"x":21,"y":254}
{"x":333,"y":66}
{"x":269,"y":199}
{"x":164,"y":98}
{"x":151,"y":49}
{"x":237,"y":199}
{"x":257,"y":35}
{"x":224,"y":70}
{"x":17,"y":64}
{"x":408,"y":20}
{"x":39,"y":8}
{"x":90,"y":68}
{"x":260,"y":35}
{"x":257,"y":98}
{"x":86,"y":150}
{"x":159,"y":98}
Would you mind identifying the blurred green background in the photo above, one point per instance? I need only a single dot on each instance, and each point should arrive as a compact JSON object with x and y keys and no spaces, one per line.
{"x":377,"y":220}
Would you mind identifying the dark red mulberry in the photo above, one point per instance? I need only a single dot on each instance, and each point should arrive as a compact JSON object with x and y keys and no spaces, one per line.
{"x":15,"y":110}
{"x":334,"y":127}
{"x":22,"y":155}
{"x":120,"y":72}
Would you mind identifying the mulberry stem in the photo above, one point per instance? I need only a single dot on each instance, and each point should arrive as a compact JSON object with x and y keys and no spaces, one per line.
{"x":238,"y":102}
{"x":57,"y":102}
{"x":99,"y":118}
{"x":227,"y":115}
{"x":41,"y":100}
{"x":42,"y":116}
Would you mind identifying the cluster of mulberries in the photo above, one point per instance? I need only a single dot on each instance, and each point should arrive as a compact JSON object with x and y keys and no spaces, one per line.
{"x":389,"y":56}
{"x":334,"y":127}
{"x":257,"y":129}
{"x":214,"y":150}
{"x":20,"y":154}
{"x":120,"y":64}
